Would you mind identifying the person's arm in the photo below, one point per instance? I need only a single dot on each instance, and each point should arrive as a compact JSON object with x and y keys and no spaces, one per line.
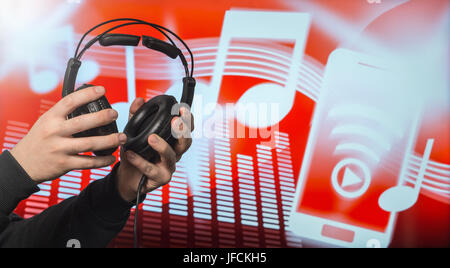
{"x":48,"y":151}
{"x":94,"y":217}
{"x":15,"y":186}
{"x":91,"y":219}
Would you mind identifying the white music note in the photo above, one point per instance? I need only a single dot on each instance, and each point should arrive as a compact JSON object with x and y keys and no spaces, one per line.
{"x":47,"y":78}
{"x":401,"y":197}
{"x":263,"y":25}
{"x":42,"y":81}
{"x":45,"y":72}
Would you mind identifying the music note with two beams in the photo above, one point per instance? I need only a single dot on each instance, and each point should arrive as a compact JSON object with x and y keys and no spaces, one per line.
{"x":401,"y":197}
{"x":247,"y":24}
{"x":291,"y":26}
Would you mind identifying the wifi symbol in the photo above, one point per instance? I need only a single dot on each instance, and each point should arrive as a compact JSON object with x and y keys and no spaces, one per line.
{"x":365,"y":135}
{"x":372,"y":127}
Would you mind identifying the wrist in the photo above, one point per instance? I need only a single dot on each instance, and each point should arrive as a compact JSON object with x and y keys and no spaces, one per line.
{"x":20,"y":159}
{"x":124,"y":182}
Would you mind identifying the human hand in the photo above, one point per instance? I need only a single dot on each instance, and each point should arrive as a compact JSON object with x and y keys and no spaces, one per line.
{"x":49,"y":150}
{"x":133,"y":166}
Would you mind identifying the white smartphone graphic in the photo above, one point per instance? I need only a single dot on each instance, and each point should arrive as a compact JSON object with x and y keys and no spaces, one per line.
{"x":364,"y":127}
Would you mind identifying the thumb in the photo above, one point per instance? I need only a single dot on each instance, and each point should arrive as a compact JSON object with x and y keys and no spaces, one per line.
{"x":137,"y":103}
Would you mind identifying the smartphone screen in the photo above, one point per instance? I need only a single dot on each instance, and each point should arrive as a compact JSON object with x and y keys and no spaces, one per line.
{"x":363,"y":128}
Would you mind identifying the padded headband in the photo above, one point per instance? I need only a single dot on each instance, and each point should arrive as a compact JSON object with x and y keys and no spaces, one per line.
{"x":106,"y":39}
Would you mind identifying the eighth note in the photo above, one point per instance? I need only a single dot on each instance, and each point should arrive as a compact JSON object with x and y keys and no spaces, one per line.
{"x":400,"y":198}
{"x":263,"y":25}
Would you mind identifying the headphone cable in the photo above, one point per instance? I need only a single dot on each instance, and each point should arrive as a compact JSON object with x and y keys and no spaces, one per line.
{"x":142,"y":182}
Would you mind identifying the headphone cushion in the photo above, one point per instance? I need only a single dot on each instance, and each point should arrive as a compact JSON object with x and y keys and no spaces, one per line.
{"x":92,"y":107}
{"x":154,"y":117}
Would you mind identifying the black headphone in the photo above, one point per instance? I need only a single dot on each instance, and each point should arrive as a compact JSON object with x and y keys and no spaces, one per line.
{"x":155,"y":116}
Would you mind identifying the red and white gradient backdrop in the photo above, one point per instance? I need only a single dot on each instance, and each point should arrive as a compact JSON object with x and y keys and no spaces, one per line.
{"x":230,"y":191}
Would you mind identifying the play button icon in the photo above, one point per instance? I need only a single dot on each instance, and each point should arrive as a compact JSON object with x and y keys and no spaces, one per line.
{"x":351,"y":178}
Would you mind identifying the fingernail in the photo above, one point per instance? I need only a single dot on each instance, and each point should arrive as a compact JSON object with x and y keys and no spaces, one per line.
{"x":100,"y":90}
{"x":174,"y":121}
{"x":113,"y":113}
{"x":153,"y":139}
{"x":130,"y":155}
{"x":178,"y":124}
{"x":122,"y":138}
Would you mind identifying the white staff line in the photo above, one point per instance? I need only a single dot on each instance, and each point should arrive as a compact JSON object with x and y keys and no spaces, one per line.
{"x":438,"y":184}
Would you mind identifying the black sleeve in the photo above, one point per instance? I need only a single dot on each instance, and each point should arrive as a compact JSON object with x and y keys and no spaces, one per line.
{"x":91,"y":219}
{"x":15,"y":186}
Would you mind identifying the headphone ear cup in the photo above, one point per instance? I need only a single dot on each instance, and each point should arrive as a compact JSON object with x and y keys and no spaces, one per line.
{"x":154,"y":117}
{"x":92,"y":107}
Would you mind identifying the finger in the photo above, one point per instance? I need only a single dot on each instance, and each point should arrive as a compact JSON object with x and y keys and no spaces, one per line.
{"x":183,"y":135}
{"x":137,"y":103}
{"x":90,"y":162}
{"x":88,"y":121}
{"x":76,"y":99}
{"x":182,"y":125}
{"x":148,"y":169}
{"x":97,"y":143}
{"x":167,"y":154}
{"x":187,"y":117}
{"x":164,"y":177}
{"x":180,"y":128}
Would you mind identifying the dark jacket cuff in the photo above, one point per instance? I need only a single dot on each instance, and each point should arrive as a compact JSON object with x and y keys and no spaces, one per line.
{"x":15,"y":184}
{"x":105,"y":199}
